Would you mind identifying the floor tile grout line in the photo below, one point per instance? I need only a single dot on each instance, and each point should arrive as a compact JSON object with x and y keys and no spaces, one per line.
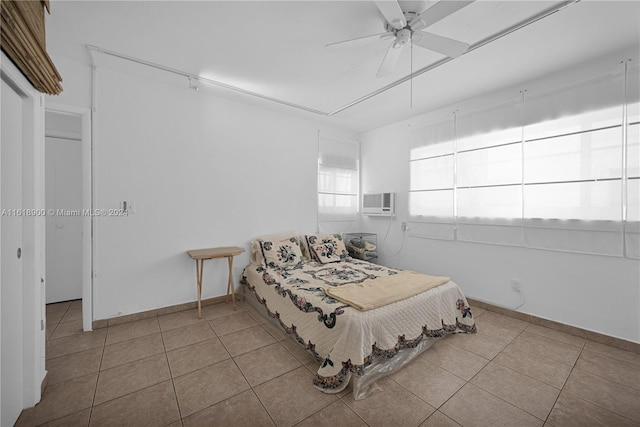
{"x":493,"y":394}
{"x":302,"y":363}
{"x":603,"y":378}
{"x":612,"y":359}
{"x":417,"y":397}
{"x":95,"y":390}
{"x":54,"y":329}
{"x":513,"y":404}
{"x":555,"y":402}
{"x":541,"y":355}
{"x":555,"y":339}
{"x":232,"y":357}
{"x":342,"y":398}
{"x":607,"y":379}
{"x":261,"y":404}
{"x":70,"y":379}
{"x":458,"y":390}
{"x":107,"y":369}
{"x":564,"y":384}
{"x":617,"y":349}
{"x":173,"y":383}
{"x":214,"y":404}
{"x":602,"y":407}
{"x":251,"y":388}
{"x":205,"y":367}
{"x":562,"y":389}
{"x":523,"y":373}
{"x":128,"y":394}
{"x":67,"y":312}
{"x":320,"y":409}
{"x":90,"y":408}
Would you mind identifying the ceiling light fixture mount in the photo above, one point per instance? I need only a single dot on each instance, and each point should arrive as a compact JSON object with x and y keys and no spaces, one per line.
{"x":193,"y":84}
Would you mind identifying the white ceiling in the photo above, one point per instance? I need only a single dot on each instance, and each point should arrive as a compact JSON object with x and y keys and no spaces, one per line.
{"x":277,"y":48}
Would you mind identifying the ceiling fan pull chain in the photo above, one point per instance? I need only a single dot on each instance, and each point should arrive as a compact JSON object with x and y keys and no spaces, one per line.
{"x":411,"y":79}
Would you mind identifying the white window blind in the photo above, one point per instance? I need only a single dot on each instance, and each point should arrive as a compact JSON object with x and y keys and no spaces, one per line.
{"x":555,"y":169}
{"x":632,"y":159}
{"x":489,"y":174}
{"x":573,"y":166}
{"x":337,"y":179}
{"x":431,"y":169}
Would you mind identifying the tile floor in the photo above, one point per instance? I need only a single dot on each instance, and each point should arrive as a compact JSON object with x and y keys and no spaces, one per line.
{"x":234,"y":369}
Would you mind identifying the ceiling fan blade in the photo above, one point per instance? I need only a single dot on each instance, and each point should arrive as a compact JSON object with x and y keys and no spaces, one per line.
{"x":444,"y":45}
{"x":390,"y":60}
{"x":435,"y":13}
{"x":392,"y":13}
{"x":360,"y":41}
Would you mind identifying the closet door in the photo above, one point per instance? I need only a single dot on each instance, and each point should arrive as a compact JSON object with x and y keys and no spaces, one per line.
{"x":11,"y":297}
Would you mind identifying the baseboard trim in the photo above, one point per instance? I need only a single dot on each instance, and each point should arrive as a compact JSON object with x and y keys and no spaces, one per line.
{"x":571,"y":330}
{"x":44,"y":383}
{"x":103,"y":323}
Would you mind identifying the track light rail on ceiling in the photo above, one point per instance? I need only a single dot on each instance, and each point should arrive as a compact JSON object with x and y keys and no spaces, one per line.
{"x":193,"y":77}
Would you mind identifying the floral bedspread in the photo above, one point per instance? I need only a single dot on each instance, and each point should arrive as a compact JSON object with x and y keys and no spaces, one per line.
{"x":343,"y":339}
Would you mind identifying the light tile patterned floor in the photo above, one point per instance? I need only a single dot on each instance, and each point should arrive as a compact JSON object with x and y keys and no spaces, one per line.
{"x":232,"y":368}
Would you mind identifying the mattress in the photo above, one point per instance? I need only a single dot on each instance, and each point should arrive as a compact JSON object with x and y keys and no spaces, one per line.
{"x":345,"y":341}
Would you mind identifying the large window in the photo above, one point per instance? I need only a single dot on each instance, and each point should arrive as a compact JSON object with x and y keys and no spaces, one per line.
{"x":554,"y":169}
{"x":431,"y":194}
{"x":337,"y":179}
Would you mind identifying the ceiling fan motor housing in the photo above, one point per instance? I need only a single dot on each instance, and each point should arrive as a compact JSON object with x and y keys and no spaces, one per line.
{"x":403,"y":37}
{"x":405,"y":19}
{"x":408,"y":16}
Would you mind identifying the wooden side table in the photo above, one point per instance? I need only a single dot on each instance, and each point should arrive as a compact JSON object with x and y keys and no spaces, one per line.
{"x":212,"y":253}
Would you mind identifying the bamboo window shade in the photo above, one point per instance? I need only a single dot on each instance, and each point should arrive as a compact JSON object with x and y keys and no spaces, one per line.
{"x":24,"y":42}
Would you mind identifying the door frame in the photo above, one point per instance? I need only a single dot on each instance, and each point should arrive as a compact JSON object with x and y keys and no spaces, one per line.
{"x":87,"y":206}
{"x":33,"y":238}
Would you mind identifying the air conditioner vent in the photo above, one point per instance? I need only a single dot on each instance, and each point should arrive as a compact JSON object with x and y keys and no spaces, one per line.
{"x":379,"y":204}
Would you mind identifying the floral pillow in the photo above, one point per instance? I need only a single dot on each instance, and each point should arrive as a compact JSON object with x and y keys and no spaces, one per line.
{"x":281,"y":253}
{"x":326,"y":248}
{"x":256,"y":251}
{"x":304,"y":247}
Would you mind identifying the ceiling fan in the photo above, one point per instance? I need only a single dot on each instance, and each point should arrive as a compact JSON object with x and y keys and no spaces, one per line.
{"x":404,"y":27}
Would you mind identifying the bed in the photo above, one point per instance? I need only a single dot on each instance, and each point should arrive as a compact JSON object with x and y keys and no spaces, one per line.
{"x":310,"y":287}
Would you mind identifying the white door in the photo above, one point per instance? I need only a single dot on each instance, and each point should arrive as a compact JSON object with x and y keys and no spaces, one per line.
{"x":63,"y":188}
{"x":11,"y":297}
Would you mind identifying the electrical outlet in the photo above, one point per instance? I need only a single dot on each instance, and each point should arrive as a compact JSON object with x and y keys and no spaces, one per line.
{"x":404,"y":226}
{"x":516,"y":285}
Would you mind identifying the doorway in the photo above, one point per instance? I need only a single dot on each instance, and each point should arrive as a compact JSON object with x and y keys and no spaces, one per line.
{"x":22,"y":331}
{"x":68,"y":204}
{"x":11,"y":277}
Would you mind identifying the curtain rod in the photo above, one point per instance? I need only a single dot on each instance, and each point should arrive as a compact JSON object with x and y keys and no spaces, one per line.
{"x":473,"y":47}
{"x":200,"y":78}
{"x":509,"y":30}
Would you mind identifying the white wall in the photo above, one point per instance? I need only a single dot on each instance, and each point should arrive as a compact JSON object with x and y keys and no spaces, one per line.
{"x":597,"y":293}
{"x":33,"y":269}
{"x":63,"y":168}
{"x":200,"y":170}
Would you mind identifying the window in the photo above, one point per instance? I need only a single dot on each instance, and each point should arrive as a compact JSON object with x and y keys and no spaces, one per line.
{"x":337,"y":179}
{"x":431,"y":168}
{"x":632,"y":163}
{"x":556,"y":169}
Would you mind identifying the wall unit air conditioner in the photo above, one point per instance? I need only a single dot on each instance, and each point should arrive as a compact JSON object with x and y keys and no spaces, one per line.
{"x":379,"y":204}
